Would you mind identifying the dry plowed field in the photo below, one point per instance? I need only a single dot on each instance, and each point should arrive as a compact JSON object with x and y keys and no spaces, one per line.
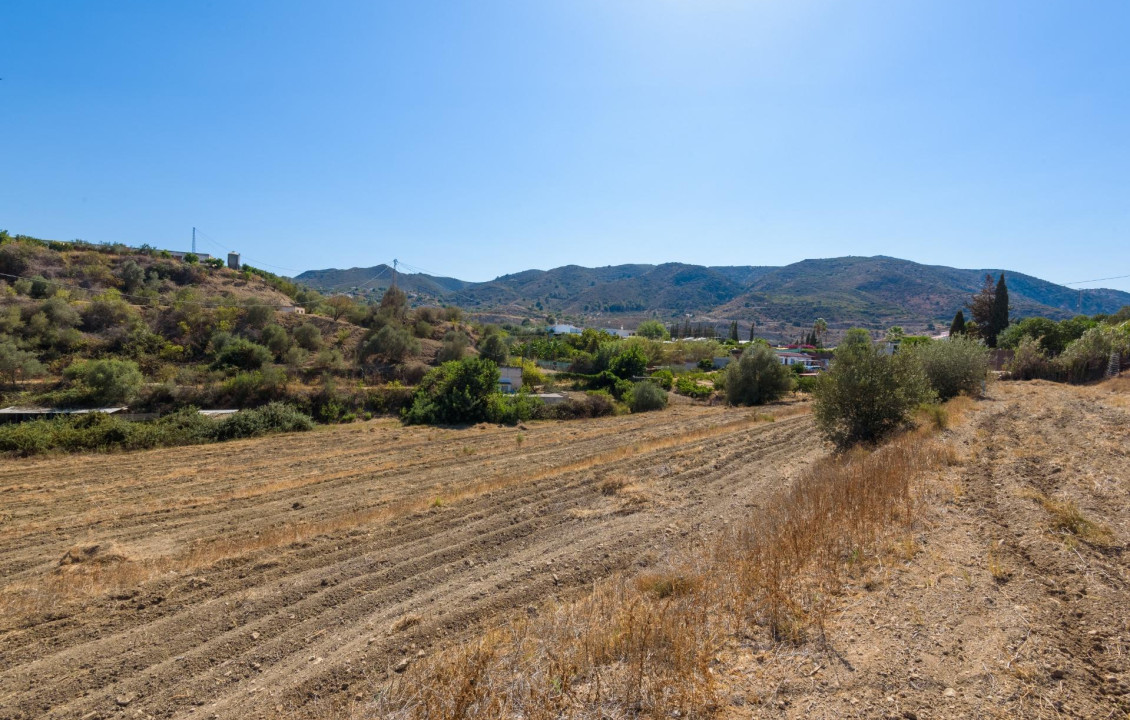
{"x":250,"y":578}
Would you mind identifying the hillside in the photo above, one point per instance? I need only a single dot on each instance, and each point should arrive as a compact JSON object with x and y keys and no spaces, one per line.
{"x":867,"y":291}
{"x":108,"y":325}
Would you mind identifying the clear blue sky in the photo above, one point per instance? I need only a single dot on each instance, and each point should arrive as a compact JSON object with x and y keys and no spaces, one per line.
{"x":484,"y":137}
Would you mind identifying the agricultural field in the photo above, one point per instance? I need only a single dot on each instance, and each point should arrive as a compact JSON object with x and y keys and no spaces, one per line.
{"x":261,"y":577}
{"x":354,"y":569}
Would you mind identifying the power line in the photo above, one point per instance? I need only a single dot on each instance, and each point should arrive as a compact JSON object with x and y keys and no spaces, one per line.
{"x":251,"y":260}
{"x":1081,"y":282}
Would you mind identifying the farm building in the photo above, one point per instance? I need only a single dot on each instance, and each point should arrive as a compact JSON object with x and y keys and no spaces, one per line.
{"x":292,"y":310}
{"x":564,"y":330}
{"x":510,"y":379}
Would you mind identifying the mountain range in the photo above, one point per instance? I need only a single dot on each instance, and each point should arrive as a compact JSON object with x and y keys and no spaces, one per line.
{"x":874,"y":292}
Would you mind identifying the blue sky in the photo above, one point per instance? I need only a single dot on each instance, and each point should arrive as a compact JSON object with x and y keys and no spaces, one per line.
{"x":484,"y":137}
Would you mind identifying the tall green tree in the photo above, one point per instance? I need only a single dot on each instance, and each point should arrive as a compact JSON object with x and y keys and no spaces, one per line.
{"x":16,"y":363}
{"x":998,"y":314}
{"x":653,"y":330}
{"x":757,"y":377}
{"x":734,"y":330}
{"x":957,"y":327}
{"x":981,"y":305}
{"x":819,"y":330}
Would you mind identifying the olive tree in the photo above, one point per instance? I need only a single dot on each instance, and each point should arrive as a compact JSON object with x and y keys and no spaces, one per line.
{"x":757,"y":377}
{"x":868,"y":395}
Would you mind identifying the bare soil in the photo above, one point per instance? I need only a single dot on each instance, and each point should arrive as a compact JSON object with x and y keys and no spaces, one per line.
{"x":255,"y":578}
{"x":1004,"y":603}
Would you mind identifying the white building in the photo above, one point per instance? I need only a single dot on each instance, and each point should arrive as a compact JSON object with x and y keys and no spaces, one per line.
{"x":509,"y":379}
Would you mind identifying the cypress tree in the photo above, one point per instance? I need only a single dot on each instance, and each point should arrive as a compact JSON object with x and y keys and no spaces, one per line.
{"x":734,"y":330}
{"x":957,"y":327}
{"x":982,"y":306}
{"x":998,"y":318}
{"x":752,"y":325}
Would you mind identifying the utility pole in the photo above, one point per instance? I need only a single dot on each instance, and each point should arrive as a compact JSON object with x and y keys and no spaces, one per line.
{"x":193,"y":241}
{"x":395,"y":262}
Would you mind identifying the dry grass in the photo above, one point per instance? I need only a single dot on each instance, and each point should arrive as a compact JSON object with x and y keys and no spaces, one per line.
{"x":1067,"y":518}
{"x":39,"y":595}
{"x":643,"y":646}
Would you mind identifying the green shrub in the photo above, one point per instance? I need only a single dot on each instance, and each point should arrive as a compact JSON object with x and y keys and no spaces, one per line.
{"x":953,"y":366}
{"x":456,"y":392}
{"x":243,"y":354}
{"x":493,"y":348}
{"x":757,"y":377}
{"x":276,"y":340}
{"x":103,"y":382}
{"x":688,"y":385}
{"x":102,"y":432}
{"x":272,"y":418}
{"x":392,"y":344}
{"x":454,"y":347}
{"x":665,"y":378}
{"x":866,"y":395}
{"x":653,"y":330}
{"x":1028,"y":361}
{"x":308,"y":337}
{"x":630,"y":363}
{"x":512,"y":409}
{"x":646,"y":396}
{"x":1087,"y":358}
{"x":16,"y":364}
{"x":256,"y":387}
{"x":531,"y":375}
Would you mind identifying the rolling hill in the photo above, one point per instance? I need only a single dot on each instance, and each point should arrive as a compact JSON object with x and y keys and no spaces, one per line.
{"x":866,"y":291}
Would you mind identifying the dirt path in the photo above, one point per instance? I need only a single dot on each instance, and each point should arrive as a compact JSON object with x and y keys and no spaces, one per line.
{"x":1005,"y":603}
{"x":251,"y":578}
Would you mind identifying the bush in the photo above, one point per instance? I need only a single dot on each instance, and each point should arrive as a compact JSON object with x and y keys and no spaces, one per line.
{"x":392,"y":344}
{"x":456,"y":392}
{"x":1028,"y":361}
{"x":757,"y":377}
{"x":16,"y":363}
{"x":102,"y":432}
{"x":259,"y":315}
{"x":630,"y":363}
{"x":247,"y":389}
{"x":653,"y":330}
{"x":308,"y":337}
{"x":688,"y":385}
{"x":954,"y":366}
{"x":665,"y":378}
{"x":493,"y":348}
{"x":512,"y":409}
{"x":272,"y":418}
{"x":592,"y":405}
{"x":103,"y":382}
{"x":454,"y":347}
{"x":646,"y":396}
{"x":276,"y":340}
{"x":866,"y":395}
{"x":243,"y":354}
{"x":531,"y":375}
{"x":1087,"y":358}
